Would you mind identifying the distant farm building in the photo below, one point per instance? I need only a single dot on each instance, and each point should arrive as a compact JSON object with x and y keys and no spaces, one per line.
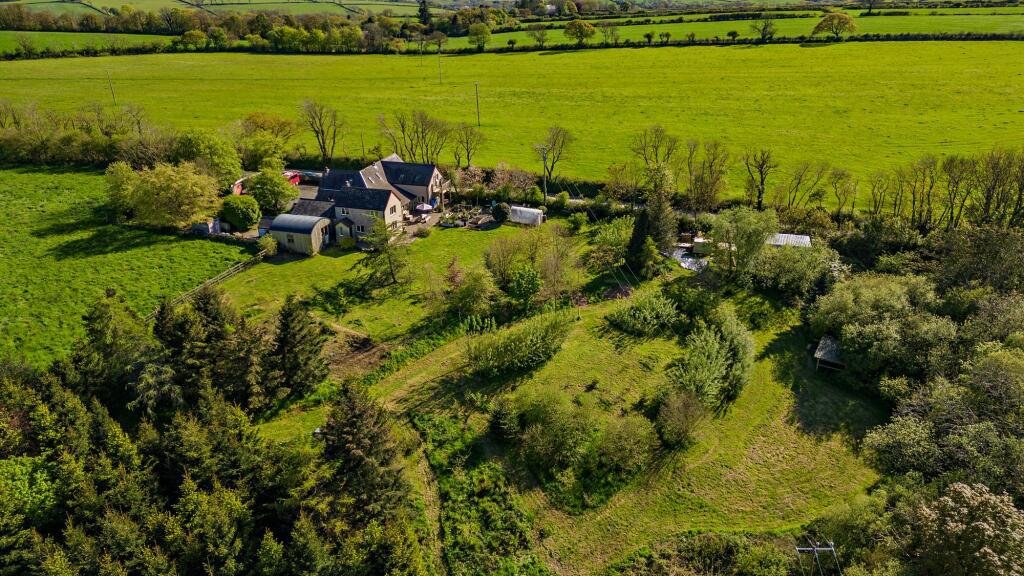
{"x":301,"y":234}
{"x":525,"y":216}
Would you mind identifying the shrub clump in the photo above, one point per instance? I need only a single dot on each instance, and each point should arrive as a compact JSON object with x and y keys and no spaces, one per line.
{"x":718,"y":360}
{"x":242,"y":212}
{"x":518,"y":349}
{"x":648,"y":315}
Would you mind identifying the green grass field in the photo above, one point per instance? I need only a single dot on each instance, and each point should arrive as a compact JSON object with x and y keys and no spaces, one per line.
{"x":60,"y":40}
{"x":57,"y":7}
{"x":61,"y":254}
{"x":787,"y":28}
{"x":285,"y":7}
{"x":259,"y":291}
{"x":861,"y":106}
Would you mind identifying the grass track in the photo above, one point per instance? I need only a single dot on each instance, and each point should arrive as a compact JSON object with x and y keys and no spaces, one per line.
{"x":60,"y":255}
{"x":860,"y":106}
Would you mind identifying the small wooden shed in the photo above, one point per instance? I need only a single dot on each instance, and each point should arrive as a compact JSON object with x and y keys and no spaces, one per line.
{"x":827,"y":354}
{"x":301,"y":234}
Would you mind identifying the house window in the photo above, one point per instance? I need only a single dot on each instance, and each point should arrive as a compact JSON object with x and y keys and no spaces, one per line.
{"x":290,"y":239}
{"x":394,"y":209}
{"x":343,"y":210}
{"x":360,"y":228}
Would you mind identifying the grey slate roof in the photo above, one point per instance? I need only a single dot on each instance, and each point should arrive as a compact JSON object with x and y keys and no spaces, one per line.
{"x":399,"y":173}
{"x":312,"y":208}
{"x":295,"y":223}
{"x":335,"y":179}
{"x":358,"y":198}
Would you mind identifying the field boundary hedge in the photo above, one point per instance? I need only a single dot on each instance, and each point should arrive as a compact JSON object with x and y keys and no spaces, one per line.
{"x":160,"y":48}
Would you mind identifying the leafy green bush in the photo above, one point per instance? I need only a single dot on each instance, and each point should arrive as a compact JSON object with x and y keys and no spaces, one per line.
{"x":561,"y":201}
{"x":577,"y":221}
{"x":627,"y":444}
{"x":484,"y":528}
{"x":270,"y":189}
{"x":709,"y":553}
{"x":267,"y":244}
{"x":647,"y":315}
{"x":678,"y":416}
{"x":518,"y":349}
{"x":242,"y":212}
{"x":500,"y":212}
{"x":791,"y":271}
{"x":718,"y":360}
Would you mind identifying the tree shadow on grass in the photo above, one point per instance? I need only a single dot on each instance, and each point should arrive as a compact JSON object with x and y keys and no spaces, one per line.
{"x":825,"y":404}
{"x":337,"y":300}
{"x":72,"y":221}
{"x":112,"y":240}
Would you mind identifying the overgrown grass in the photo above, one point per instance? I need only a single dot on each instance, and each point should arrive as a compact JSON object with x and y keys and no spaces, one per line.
{"x":59,"y":255}
{"x":781,"y":454}
{"x":860,"y":106}
{"x":778,"y":457}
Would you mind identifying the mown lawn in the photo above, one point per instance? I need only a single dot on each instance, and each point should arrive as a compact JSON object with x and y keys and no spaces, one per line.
{"x":861,"y":106}
{"x":60,"y":255}
{"x":389,"y":313}
{"x":61,"y":40}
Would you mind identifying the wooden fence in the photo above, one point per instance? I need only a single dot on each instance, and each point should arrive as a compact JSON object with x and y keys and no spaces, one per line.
{"x":184,"y":297}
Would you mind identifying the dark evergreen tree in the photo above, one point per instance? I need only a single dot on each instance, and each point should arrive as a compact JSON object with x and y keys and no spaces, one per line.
{"x":424,"y":13}
{"x":114,"y":349}
{"x":359,"y":443}
{"x":296,"y":360}
{"x":661,"y":220}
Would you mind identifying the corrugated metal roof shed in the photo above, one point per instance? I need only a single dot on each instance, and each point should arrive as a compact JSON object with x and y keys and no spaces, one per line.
{"x":799,"y":240}
{"x":295,"y":223}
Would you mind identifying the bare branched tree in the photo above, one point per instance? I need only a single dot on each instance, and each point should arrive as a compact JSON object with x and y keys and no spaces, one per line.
{"x":844,"y":189}
{"x":804,"y":184}
{"x":654,"y":147}
{"x":551,"y":150}
{"x":416,"y":137}
{"x":959,"y":178}
{"x":467,"y":141}
{"x":625,"y":182}
{"x":325,"y":124}
{"x":880,"y":184}
{"x":706,"y":167}
{"x":760,"y":165}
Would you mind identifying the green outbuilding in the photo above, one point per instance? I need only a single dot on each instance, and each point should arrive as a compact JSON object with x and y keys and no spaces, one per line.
{"x":301,"y":234}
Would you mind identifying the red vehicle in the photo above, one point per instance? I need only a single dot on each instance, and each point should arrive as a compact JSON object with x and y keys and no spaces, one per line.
{"x":292,"y":176}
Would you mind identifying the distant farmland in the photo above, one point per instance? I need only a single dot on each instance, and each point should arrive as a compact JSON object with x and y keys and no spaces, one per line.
{"x":858,"y":106}
{"x":787,"y":28}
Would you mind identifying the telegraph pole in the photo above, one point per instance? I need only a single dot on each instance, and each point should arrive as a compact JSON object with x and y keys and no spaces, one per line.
{"x":111,"y":86}
{"x":477,"y":84}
